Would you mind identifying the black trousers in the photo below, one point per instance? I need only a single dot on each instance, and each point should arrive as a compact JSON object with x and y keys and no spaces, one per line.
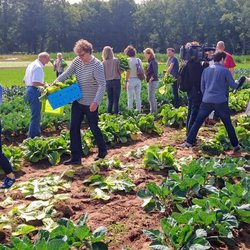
{"x":78,"y":111}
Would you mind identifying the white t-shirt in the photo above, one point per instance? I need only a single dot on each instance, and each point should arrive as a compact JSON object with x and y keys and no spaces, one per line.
{"x":132,"y":65}
{"x":34,"y":73}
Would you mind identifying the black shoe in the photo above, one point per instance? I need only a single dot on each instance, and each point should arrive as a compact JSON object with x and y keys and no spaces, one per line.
{"x":101,"y":156}
{"x":237,"y":148}
{"x":72,"y":162}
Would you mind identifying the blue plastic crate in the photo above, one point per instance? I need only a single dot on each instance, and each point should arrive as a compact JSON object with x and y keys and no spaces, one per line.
{"x":65,"y":96}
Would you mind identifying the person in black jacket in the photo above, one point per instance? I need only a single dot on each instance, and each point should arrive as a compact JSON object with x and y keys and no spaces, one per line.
{"x":152,"y":78}
{"x":193,"y":77}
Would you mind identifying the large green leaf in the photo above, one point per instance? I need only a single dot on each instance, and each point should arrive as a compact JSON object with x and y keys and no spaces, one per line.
{"x":54,"y":158}
{"x":58,"y":244}
{"x":81,"y":232}
{"x":23,"y":229}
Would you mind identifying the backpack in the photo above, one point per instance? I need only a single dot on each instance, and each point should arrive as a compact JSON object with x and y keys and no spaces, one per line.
{"x":182,"y":79}
{"x":140,"y":71}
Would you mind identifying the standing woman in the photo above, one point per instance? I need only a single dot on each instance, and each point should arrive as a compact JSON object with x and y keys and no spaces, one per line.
{"x":112,"y":75}
{"x":152,"y":78}
{"x":4,"y":162}
{"x":133,"y":83}
{"x":90,"y":76}
{"x":59,"y":64}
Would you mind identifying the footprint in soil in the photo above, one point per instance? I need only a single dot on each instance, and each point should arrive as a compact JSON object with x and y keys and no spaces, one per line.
{"x":64,"y":210}
{"x":134,"y":235}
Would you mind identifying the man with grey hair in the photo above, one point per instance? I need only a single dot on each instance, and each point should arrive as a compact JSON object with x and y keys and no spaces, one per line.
{"x":229,"y":63}
{"x":34,"y":77}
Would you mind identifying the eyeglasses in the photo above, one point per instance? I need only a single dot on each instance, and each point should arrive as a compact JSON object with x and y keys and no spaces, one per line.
{"x":82,"y":54}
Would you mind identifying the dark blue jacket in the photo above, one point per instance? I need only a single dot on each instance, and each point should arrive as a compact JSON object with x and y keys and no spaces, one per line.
{"x":215,"y":82}
{"x":152,"y":70}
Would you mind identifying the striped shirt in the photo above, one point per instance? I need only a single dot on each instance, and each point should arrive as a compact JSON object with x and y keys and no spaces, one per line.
{"x":90,"y":77}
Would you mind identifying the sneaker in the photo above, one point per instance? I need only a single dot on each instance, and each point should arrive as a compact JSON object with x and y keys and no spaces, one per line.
{"x":237,"y":148}
{"x":8,"y":182}
{"x":101,"y":156}
{"x":72,"y":162}
{"x":186,"y":145}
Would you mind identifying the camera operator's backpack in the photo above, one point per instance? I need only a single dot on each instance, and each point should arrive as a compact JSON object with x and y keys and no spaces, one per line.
{"x":182,"y":79}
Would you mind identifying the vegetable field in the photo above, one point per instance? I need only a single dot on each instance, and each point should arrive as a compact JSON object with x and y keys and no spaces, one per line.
{"x":148,"y":193}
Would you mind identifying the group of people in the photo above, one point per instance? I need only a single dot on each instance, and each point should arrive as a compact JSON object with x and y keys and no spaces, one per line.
{"x":208,"y":91}
{"x":133,"y":86}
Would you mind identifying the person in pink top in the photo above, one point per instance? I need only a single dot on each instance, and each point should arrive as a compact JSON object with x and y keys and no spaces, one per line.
{"x":229,"y":63}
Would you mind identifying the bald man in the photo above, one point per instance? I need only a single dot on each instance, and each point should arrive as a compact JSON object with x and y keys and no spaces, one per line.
{"x":34,"y":77}
{"x":230,"y":64}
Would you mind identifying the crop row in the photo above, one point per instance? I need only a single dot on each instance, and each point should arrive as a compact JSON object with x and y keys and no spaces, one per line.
{"x":15,"y":112}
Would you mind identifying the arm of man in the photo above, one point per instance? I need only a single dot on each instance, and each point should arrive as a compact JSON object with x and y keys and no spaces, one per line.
{"x":100,"y":78}
{"x":170,"y":67}
{"x":230,"y":80}
{"x":232,"y":71}
{"x":203,"y":82}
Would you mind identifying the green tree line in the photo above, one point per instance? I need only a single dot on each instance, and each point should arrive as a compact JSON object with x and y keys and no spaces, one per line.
{"x":55,"y":25}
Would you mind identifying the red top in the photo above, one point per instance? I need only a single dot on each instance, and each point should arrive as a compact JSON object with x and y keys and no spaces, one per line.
{"x":229,"y":61}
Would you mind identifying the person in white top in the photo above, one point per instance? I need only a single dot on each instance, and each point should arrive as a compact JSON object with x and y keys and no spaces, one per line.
{"x":133,"y":83}
{"x":34,"y":77}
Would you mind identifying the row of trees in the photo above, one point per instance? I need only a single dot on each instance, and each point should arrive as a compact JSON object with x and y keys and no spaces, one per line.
{"x":54,"y":25}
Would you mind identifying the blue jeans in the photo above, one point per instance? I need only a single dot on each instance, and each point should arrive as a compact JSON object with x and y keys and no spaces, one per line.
{"x":113,"y":90}
{"x":32,"y":95}
{"x":176,"y":96}
{"x":78,"y":111}
{"x":194,"y":101}
{"x":223,"y":112}
{"x":4,"y":162}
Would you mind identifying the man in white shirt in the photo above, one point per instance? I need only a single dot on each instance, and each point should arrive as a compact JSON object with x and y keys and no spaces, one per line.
{"x":34,"y":77}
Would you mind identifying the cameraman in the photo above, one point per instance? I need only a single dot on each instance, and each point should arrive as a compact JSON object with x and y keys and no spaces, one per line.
{"x":193,"y":78}
{"x":215,"y":83}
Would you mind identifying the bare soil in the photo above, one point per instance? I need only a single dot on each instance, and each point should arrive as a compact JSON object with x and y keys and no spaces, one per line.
{"x":122,"y":214}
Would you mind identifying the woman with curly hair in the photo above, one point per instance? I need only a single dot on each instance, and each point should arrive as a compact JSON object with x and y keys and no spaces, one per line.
{"x":90,"y":76}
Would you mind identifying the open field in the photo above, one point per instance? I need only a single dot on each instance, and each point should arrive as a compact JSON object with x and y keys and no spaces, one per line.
{"x":148,"y":193}
{"x":12,"y":67}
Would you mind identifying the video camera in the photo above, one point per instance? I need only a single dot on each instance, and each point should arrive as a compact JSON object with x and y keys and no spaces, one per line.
{"x":195,"y":52}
